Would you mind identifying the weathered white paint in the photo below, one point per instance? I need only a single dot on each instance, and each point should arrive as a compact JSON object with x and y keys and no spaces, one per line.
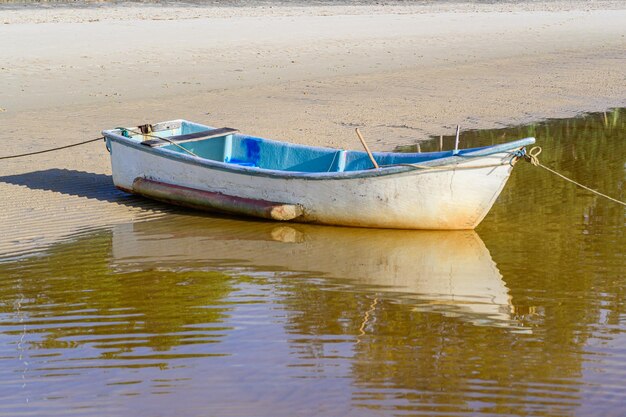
{"x":454,"y":199}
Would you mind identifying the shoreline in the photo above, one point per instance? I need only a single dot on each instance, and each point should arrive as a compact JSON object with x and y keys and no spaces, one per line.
{"x":400,"y":73}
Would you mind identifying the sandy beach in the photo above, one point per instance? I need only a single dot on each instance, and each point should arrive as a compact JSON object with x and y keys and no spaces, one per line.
{"x":304,"y":74}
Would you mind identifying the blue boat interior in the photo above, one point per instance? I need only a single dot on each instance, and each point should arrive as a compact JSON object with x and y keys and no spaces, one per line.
{"x":250,"y":151}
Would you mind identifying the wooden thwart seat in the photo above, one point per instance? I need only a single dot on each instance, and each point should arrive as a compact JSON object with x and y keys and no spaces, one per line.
{"x":190,"y":137}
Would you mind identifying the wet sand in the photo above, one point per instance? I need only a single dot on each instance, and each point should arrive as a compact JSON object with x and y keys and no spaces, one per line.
{"x":307,"y":74}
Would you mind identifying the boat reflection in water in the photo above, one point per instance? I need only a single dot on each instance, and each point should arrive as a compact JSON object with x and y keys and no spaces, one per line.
{"x":449,"y":272}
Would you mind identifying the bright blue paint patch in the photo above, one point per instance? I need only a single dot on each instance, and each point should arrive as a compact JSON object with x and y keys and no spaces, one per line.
{"x":253,"y":150}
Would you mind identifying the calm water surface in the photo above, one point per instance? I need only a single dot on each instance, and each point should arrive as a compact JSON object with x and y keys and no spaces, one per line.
{"x":195,"y":315}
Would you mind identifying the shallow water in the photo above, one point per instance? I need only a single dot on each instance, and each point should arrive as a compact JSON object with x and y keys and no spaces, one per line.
{"x":200,"y":315}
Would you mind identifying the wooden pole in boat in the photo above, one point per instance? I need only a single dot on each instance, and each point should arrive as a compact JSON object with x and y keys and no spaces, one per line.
{"x":440,"y":143}
{"x":456,"y":141}
{"x":367,"y":149}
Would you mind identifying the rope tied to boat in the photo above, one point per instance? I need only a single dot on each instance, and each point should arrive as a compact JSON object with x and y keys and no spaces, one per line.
{"x":532,"y":156}
{"x":52,"y":149}
{"x":125,"y":132}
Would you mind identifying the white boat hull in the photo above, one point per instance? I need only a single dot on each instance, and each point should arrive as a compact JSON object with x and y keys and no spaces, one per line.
{"x":456,"y":198}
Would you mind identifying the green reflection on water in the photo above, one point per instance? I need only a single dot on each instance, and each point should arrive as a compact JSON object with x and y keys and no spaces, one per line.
{"x":524,"y":318}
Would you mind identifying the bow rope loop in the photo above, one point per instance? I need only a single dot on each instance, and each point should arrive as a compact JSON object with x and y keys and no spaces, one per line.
{"x":532,"y":157}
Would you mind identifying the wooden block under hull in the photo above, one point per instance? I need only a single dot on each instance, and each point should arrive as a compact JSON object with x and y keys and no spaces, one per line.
{"x":213,"y":201}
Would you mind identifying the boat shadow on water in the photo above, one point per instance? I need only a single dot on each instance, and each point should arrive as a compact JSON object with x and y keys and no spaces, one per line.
{"x":451,"y":273}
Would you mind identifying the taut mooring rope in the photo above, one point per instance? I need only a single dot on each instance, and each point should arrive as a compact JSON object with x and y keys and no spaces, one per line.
{"x":52,"y":149}
{"x":94,"y":140}
{"x":532,"y":157}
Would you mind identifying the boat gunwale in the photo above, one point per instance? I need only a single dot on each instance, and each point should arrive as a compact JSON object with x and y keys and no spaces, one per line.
{"x":403,"y":168}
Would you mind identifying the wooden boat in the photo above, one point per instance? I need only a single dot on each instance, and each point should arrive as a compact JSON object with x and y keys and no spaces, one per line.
{"x":197,"y":166}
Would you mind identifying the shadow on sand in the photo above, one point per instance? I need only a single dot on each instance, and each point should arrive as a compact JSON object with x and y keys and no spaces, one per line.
{"x":79,"y":183}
